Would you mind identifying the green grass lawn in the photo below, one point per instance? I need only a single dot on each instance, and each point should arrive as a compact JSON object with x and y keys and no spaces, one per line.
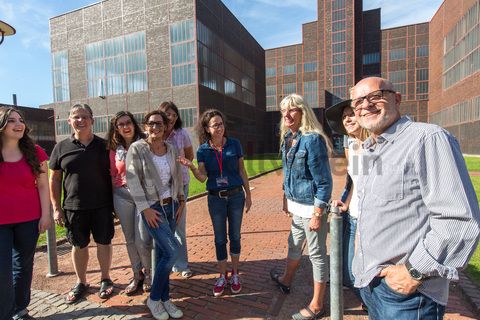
{"x":473,"y":163}
{"x":253,"y":165}
{"x":473,"y":268}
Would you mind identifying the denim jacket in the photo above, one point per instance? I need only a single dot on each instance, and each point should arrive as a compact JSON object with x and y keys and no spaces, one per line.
{"x":306,"y":171}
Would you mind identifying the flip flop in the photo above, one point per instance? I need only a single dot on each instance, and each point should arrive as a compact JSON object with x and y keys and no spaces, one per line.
{"x":106,"y":288}
{"x":274,"y":274}
{"x":77,"y":292}
{"x":312,"y":315}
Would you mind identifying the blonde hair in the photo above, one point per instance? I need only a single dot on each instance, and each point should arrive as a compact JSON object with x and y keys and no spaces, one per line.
{"x":309,"y":124}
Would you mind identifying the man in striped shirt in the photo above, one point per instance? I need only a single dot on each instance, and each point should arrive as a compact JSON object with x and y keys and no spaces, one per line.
{"x":418,"y":213}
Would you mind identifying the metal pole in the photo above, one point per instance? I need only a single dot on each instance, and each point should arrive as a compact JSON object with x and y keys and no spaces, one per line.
{"x":336,"y":264}
{"x":154,"y":258}
{"x":52,"y":250}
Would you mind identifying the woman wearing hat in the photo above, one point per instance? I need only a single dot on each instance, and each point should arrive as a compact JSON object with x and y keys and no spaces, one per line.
{"x":341,"y":119}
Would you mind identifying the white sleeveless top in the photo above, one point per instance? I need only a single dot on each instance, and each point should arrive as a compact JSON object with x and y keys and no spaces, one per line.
{"x":165,"y":173}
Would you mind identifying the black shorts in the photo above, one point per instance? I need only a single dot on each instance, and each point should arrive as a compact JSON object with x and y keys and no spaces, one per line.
{"x":80,"y":223}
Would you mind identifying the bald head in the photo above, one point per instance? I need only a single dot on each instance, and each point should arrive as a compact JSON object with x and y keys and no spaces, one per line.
{"x":373,"y":82}
{"x":378,"y":104}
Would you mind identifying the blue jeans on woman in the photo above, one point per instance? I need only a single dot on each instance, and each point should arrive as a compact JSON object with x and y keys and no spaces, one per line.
{"x":222,"y":210}
{"x":17,"y":249}
{"x":166,"y":250}
{"x":349,"y":228}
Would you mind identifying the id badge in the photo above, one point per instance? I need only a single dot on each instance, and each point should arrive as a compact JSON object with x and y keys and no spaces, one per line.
{"x":222,"y":181}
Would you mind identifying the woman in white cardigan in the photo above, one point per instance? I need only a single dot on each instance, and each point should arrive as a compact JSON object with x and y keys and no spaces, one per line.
{"x":155,"y":180}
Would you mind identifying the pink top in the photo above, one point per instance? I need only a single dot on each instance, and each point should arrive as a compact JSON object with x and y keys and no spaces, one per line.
{"x":180,"y":139}
{"x":19,"y":198}
{"x":118,"y":169}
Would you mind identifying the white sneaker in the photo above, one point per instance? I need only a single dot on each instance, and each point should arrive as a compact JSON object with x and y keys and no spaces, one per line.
{"x":157,"y":309}
{"x":172,"y":309}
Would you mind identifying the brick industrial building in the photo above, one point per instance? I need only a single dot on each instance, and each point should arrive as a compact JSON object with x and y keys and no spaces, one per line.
{"x":126,"y":54}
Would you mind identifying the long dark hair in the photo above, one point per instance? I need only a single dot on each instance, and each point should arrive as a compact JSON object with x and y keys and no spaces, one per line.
{"x":165,"y":105}
{"x":26,"y":144}
{"x":202,"y":124}
{"x":114,"y":139}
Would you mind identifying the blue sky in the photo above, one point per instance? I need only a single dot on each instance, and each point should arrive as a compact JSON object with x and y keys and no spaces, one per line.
{"x":25,"y":67}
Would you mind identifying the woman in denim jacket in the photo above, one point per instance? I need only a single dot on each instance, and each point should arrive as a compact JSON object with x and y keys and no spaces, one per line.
{"x":307,"y":184}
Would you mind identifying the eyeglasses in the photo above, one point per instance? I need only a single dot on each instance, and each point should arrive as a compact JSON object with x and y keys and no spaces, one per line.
{"x":153,"y":124}
{"x":124,"y":125}
{"x":372,"y":97}
{"x":290,"y":111}
{"x":216,"y":126}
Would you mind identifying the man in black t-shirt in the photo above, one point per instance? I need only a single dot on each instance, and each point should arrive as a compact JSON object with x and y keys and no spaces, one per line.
{"x":82,"y":163}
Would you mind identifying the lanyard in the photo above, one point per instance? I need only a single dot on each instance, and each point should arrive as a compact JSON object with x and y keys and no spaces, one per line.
{"x":219,"y":159}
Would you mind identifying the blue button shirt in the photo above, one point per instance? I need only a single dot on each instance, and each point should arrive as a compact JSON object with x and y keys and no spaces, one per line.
{"x":232,"y":151}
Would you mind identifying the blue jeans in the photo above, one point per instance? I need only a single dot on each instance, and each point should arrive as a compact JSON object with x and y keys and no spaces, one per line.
{"x":181,"y":234}
{"x":17,"y":249}
{"x":385,"y":303}
{"x":166,"y":250}
{"x":349,"y":228}
{"x":222,"y":210}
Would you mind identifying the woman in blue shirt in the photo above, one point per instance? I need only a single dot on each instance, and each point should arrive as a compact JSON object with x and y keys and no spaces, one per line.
{"x":307,"y":184}
{"x":220,"y":162}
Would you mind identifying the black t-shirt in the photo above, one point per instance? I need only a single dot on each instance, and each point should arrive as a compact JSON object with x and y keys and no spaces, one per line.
{"x":87,"y":183}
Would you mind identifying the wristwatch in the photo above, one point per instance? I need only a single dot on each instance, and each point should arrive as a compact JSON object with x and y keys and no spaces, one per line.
{"x":317,"y":214}
{"x":414,"y":273}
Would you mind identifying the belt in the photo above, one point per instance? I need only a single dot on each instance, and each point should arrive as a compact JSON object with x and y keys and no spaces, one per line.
{"x":166,"y":201}
{"x":225,"y":193}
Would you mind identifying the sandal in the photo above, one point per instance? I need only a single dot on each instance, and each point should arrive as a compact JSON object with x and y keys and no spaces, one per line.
{"x":133,"y":287}
{"x":77,"y":292}
{"x":311,"y":315}
{"x":147,"y":282}
{"x":106,"y":288}
{"x":274,"y":275}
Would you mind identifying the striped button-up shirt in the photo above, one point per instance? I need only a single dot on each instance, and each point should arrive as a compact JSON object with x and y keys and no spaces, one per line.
{"x":417,"y":204}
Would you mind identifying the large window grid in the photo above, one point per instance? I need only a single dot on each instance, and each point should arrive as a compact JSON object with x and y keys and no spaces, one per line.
{"x":310,"y":66}
{"x":339,"y":49}
{"x":117,"y":65}
{"x":371,"y":58}
{"x":289,"y":88}
{"x":271,"y":98}
{"x":223,"y":69}
{"x":271,"y":72}
{"x":398,"y":54}
{"x":399,"y":80}
{"x":422,"y":84}
{"x":462,"y":48}
{"x":310,"y":93}
{"x":465,"y":111}
{"x":422,"y":51}
{"x":61,"y":88}
{"x":182,"y":50}
{"x":290,"y":69}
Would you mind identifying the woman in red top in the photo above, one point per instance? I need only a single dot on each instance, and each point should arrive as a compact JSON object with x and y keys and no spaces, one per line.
{"x":24,"y":211}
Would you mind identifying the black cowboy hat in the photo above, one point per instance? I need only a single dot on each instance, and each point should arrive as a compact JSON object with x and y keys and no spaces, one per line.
{"x":334,"y":116}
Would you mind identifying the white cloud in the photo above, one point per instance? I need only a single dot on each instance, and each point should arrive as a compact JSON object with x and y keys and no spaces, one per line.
{"x":30,"y":19}
{"x":405,"y":12}
{"x":304,"y":4}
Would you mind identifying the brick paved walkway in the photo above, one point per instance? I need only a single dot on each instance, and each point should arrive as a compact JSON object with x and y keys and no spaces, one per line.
{"x":264,"y":240}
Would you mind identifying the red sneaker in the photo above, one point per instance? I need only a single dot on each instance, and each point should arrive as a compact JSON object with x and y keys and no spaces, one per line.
{"x":235,"y":284}
{"x":220,"y":285}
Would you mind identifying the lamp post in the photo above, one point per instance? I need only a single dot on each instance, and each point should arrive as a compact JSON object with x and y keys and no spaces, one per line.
{"x":5,"y":30}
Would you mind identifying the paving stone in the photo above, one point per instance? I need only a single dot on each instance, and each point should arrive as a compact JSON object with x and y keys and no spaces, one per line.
{"x":265,"y":231}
